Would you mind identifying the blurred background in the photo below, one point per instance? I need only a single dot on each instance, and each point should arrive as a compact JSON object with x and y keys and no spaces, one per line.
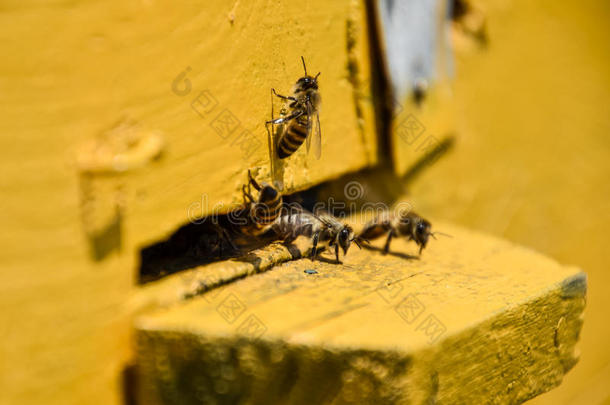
{"x":532,"y":161}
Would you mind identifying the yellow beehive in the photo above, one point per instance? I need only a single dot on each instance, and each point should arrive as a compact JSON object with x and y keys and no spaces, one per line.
{"x":121,"y":122}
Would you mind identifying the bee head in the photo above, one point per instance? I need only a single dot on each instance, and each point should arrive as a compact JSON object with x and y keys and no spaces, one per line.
{"x":421,"y":233}
{"x":307,"y":82}
{"x":268,"y":193}
{"x":345,"y":237}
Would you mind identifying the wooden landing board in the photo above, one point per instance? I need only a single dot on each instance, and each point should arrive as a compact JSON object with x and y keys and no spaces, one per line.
{"x":177,"y":287}
{"x":474,"y":320}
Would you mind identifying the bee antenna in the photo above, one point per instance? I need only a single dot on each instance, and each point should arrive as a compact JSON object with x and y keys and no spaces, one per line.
{"x":316,"y":78}
{"x":304,"y":68}
{"x":440,"y":233}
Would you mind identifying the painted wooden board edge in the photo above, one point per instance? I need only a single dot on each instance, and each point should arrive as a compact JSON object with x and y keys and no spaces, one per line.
{"x":183,"y":285}
{"x":506,"y":356}
{"x":487,"y":363}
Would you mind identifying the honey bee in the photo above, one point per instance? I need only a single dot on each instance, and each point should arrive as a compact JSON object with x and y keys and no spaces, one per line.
{"x":260,"y":212}
{"x":409,"y":225}
{"x":301,"y":120}
{"x":323,"y":229}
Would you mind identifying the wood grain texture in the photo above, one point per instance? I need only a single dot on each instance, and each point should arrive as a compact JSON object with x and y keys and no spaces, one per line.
{"x":176,"y":288}
{"x":474,"y":320}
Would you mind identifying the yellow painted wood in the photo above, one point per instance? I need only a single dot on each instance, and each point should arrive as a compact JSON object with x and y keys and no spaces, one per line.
{"x":474,"y":320}
{"x":71,"y":73}
{"x":98,"y":63}
{"x":72,"y":70}
{"x":235,"y":64}
{"x":178,"y":287}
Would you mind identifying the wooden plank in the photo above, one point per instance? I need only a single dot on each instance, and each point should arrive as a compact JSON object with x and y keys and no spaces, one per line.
{"x":118,"y":61}
{"x":206,"y":163}
{"x":178,"y":287}
{"x":474,"y":320}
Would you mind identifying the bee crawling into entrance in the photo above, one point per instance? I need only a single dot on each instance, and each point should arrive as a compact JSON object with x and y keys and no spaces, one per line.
{"x":301,"y":120}
{"x":322,"y":228}
{"x":407,"y":224}
{"x":260,"y":212}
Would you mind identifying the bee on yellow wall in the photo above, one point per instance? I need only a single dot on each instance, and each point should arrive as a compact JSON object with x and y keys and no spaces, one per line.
{"x":301,"y":121}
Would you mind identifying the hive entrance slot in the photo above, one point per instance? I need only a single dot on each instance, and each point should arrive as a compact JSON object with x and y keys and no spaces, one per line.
{"x":210,"y":239}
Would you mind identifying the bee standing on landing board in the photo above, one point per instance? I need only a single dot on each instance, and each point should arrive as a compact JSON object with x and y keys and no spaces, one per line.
{"x":323,"y":229}
{"x":262,"y":211}
{"x":409,"y":224}
{"x":302,"y":120}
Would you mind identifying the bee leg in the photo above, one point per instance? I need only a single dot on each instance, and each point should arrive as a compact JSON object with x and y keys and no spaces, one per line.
{"x":248,"y":199}
{"x":288,"y":240}
{"x":271,"y":139}
{"x":386,"y":248}
{"x":337,"y":253}
{"x":283,"y":97}
{"x":253,"y":182}
{"x":314,"y":247}
{"x":284,"y":119}
{"x":267,"y":122}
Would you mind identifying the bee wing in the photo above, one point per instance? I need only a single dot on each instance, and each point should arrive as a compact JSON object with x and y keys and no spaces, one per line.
{"x":317,"y":136}
{"x":325,"y":217}
{"x":292,"y":208}
{"x":313,"y":131}
{"x":320,"y":211}
{"x":309,"y":125}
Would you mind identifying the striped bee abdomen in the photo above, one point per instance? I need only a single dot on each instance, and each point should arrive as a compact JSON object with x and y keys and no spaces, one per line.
{"x":262,"y":211}
{"x":293,"y":136}
{"x":374,"y":230}
{"x":268,"y":207}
